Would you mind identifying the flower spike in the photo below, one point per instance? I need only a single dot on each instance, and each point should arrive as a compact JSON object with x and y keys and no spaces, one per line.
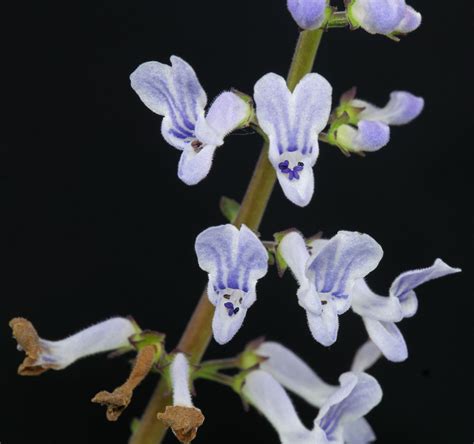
{"x":43,"y":355}
{"x":293,"y":122}
{"x":183,"y":418}
{"x":235,"y":260}
{"x":175,"y":93}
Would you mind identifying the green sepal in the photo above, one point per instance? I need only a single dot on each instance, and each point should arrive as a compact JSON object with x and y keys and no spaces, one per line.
{"x":251,"y":113}
{"x":229,"y":208}
{"x":248,"y":359}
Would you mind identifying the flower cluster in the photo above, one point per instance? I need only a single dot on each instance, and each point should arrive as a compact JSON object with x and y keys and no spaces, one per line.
{"x":292,"y":121}
{"x":341,"y":408}
{"x":330,"y":274}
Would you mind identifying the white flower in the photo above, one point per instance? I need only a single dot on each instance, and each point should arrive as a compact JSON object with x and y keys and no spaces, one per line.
{"x":42,"y":354}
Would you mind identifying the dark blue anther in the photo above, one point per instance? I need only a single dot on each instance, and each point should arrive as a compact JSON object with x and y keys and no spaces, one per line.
{"x":231,"y":310}
{"x":292,"y":173}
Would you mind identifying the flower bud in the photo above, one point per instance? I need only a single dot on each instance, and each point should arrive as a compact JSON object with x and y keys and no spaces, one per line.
{"x":377,"y":16}
{"x":309,"y":14}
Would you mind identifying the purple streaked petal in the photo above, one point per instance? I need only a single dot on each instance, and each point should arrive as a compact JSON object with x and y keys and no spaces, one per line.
{"x":308,"y":14}
{"x":411,"y":21}
{"x":402,"y":108}
{"x":348,"y":256}
{"x":173,"y":92}
{"x":359,"y":393}
{"x":235,"y":260}
{"x":404,"y":285}
{"x":369,"y":136}
{"x":293,"y":123}
{"x":388,"y":338}
{"x":378,"y":16}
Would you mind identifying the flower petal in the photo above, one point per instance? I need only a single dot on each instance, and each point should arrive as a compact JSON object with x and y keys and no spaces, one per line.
{"x":370,"y":305}
{"x":294,"y":374}
{"x":227,"y":112}
{"x":235,"y":260}
{"x":308,"y":14}
{"x":324,"y":327}
{"x":366,"y":356}
{"x":378,"y":16}
{"x":293,"y":123}
{"x":388,"y":338}
{"x":225,"y":327}
{"x":348,"y":256}
{"x":195,"y":165}
{"x":410,"y":22}
{"x":173,"y":92}
{"x":359,"y":432}
{"x":269,"y":397}
{"x":402,"y":108}
{"x":403,"y":286}
{"x":369,"y":136}
{"x":293,"y":249}
{"x":295,"y":253}
{"x":358,"y":395}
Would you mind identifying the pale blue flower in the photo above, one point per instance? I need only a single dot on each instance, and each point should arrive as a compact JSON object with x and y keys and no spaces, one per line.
{"x":175,"y":93}
{"x":293,"y":122}
{"x":341,"y":416}
{"x":235,"y":260}
{"x":327,"y":276}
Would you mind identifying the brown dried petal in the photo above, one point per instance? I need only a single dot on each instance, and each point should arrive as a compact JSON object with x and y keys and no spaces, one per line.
{"x":117,"y":401}
{"x":28,"y":340}
{"x":184,"y":421}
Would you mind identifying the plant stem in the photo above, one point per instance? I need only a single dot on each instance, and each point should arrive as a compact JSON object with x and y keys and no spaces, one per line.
{"x":198,"y":333}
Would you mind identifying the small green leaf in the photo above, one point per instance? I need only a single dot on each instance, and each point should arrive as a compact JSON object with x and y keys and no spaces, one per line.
{"x":229,"y":208}
{"x":134,"y":425}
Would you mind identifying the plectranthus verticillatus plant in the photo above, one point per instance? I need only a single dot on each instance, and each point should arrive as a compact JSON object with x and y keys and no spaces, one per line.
{"x":293,"y":116}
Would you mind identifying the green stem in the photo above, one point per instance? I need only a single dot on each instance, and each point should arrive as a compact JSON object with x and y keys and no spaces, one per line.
{"x":198,"y":332}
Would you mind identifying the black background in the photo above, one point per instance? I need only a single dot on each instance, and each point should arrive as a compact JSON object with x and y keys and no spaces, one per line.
{"x":97,"y":223}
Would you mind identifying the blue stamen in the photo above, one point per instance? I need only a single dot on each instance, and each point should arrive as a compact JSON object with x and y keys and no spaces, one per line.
{"x":292,"y":173}
{"x":231,"y":310}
